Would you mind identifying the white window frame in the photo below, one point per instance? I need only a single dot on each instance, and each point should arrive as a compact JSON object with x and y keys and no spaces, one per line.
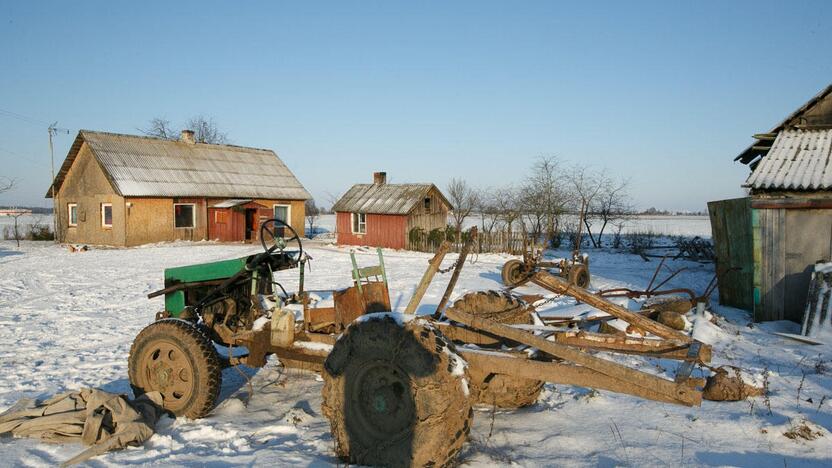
{"x":360,"y":223}
{"x":69,"y":208}
{"x":193,"y":216}
{"x":103,"y":222}
{"x":288,"y":212}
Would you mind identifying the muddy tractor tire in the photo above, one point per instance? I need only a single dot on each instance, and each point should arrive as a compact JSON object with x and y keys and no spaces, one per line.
{"x":500,"y":390}
{"x":396,"y":394}
{"x":514,"y":271}
{"x":579,"y":275}
{"x":174,"y":357}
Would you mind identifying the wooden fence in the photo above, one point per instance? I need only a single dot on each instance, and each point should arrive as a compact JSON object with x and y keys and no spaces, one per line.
{"x":487,"y":242}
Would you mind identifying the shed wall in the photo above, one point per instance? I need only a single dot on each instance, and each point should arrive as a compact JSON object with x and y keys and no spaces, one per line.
{"x":382,"y":231}
{"x":787,"y":243}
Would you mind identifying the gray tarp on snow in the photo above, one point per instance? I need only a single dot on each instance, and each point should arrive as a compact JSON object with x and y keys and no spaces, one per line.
{"x":103,"y":420}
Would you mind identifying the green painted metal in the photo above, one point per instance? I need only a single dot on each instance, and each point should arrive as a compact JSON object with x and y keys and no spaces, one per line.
{"x":731,"y":227}
{"x":359,"y":273}
{"x":175,"y":301}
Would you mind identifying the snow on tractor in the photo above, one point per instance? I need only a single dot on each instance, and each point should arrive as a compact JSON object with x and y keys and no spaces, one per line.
{"x":398,"y":389}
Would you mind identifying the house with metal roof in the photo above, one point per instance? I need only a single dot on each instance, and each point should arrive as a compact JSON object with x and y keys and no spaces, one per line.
{"x":125,"y":190}
{"x":383,"y":215}
{"x":767,"y":243}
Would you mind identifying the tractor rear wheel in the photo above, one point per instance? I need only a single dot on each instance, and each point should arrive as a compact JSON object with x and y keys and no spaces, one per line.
{"x":514,"y":271}
{"x":489,"y":389}
{"x":174,"y":357}
{"x":396,"y":394}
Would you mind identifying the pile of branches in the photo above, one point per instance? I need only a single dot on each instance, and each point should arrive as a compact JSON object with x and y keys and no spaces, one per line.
{"x":697,"y":249}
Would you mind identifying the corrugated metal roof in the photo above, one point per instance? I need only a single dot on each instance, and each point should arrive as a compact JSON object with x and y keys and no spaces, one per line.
{"x":798,"y":160}
{"x":140,"y":166}
{"x":749,"y":155}
{"x":384,"y":198}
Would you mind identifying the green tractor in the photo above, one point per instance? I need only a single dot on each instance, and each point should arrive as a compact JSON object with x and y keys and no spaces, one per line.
{"x":398,"y":389}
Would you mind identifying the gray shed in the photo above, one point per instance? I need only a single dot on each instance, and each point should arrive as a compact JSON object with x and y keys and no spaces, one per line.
{"x":768,"y":243}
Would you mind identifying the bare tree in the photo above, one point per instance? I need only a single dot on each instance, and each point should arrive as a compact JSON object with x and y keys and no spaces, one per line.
{"x":205,"y":129}
{"x":160,"y":128}
{"x":611,"y":206}
{"x":489,"y":212}
{"x":506,"y":203}
{"x":586,"y":184}
{"x":544,"y":198}
{"x":463,"y":200}
{"x":7,"y":184}
{"x":312,"y":214}
{"x":16,"y":229}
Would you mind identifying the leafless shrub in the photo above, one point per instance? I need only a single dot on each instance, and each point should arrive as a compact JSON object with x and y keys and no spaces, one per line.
{"x":312,"y":215}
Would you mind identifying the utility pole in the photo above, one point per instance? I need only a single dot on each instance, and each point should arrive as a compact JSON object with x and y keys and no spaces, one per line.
{"x":56,"y":221}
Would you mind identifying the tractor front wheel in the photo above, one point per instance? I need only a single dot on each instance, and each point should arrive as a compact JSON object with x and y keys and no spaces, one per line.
{"x":175,"y":358}
{"x":396,"y":394}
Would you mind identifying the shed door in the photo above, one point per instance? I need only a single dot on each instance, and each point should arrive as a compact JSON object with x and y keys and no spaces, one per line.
{"x":808,"y":240}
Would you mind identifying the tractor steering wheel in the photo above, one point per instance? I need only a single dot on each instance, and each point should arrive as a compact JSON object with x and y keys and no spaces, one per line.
{"x":273,"y":239}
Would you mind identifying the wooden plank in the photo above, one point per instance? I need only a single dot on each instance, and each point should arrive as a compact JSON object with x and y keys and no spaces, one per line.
{"x":680,"y":392}
{"x":560,"y":286}
{"x":427,"y":278}
{"x":460,"y":262}
{"x":565,"y":374}
{"x":668,"y":349}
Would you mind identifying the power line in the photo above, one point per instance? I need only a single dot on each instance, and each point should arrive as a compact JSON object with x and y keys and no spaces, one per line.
{"x":24,"y":118}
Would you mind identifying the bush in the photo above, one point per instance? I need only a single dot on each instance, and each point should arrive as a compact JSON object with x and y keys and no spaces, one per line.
{"x":640,"y":241}
{"x":36,"y":232}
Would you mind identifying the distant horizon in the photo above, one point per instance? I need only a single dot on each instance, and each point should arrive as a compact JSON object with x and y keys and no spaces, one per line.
{"x":657,"y":93}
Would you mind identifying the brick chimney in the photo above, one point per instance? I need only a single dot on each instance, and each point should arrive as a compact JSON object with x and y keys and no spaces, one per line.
{"x":379,"y":178}
{"x":187,"y":136}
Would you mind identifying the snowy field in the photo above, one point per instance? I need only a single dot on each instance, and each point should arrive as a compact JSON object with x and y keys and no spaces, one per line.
{"x":67,"y":321}
{"x":689,"y":226}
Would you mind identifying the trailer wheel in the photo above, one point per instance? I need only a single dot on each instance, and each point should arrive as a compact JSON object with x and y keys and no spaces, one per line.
{"x":173,"y":357}
{"x":503,"y":391}
{"x":579,"y":275}
{"x":489,"y":389}
{"x":396,"y":394}
{"x":513,"y":272}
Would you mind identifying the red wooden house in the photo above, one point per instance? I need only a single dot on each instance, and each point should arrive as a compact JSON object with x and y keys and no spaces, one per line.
{"x":382,"y":214}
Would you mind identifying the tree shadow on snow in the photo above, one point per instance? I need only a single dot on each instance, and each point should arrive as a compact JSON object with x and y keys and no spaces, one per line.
{"x":4,"y":252}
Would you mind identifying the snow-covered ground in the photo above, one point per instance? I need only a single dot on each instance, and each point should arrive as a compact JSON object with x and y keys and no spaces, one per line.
{"x":67,"y":321}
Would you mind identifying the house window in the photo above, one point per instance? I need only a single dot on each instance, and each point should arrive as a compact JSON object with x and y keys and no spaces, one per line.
{"x":359,"y":223}
{"x":427,"y":204}
{"x":283,"y":213}
{"x":107,"y":215}
{"x":184,"y":215}
{"x":220,"y":217}
{"x":72,"y":213}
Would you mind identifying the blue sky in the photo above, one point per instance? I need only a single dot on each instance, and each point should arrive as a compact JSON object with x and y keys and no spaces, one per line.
{"x":663,"y":93}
